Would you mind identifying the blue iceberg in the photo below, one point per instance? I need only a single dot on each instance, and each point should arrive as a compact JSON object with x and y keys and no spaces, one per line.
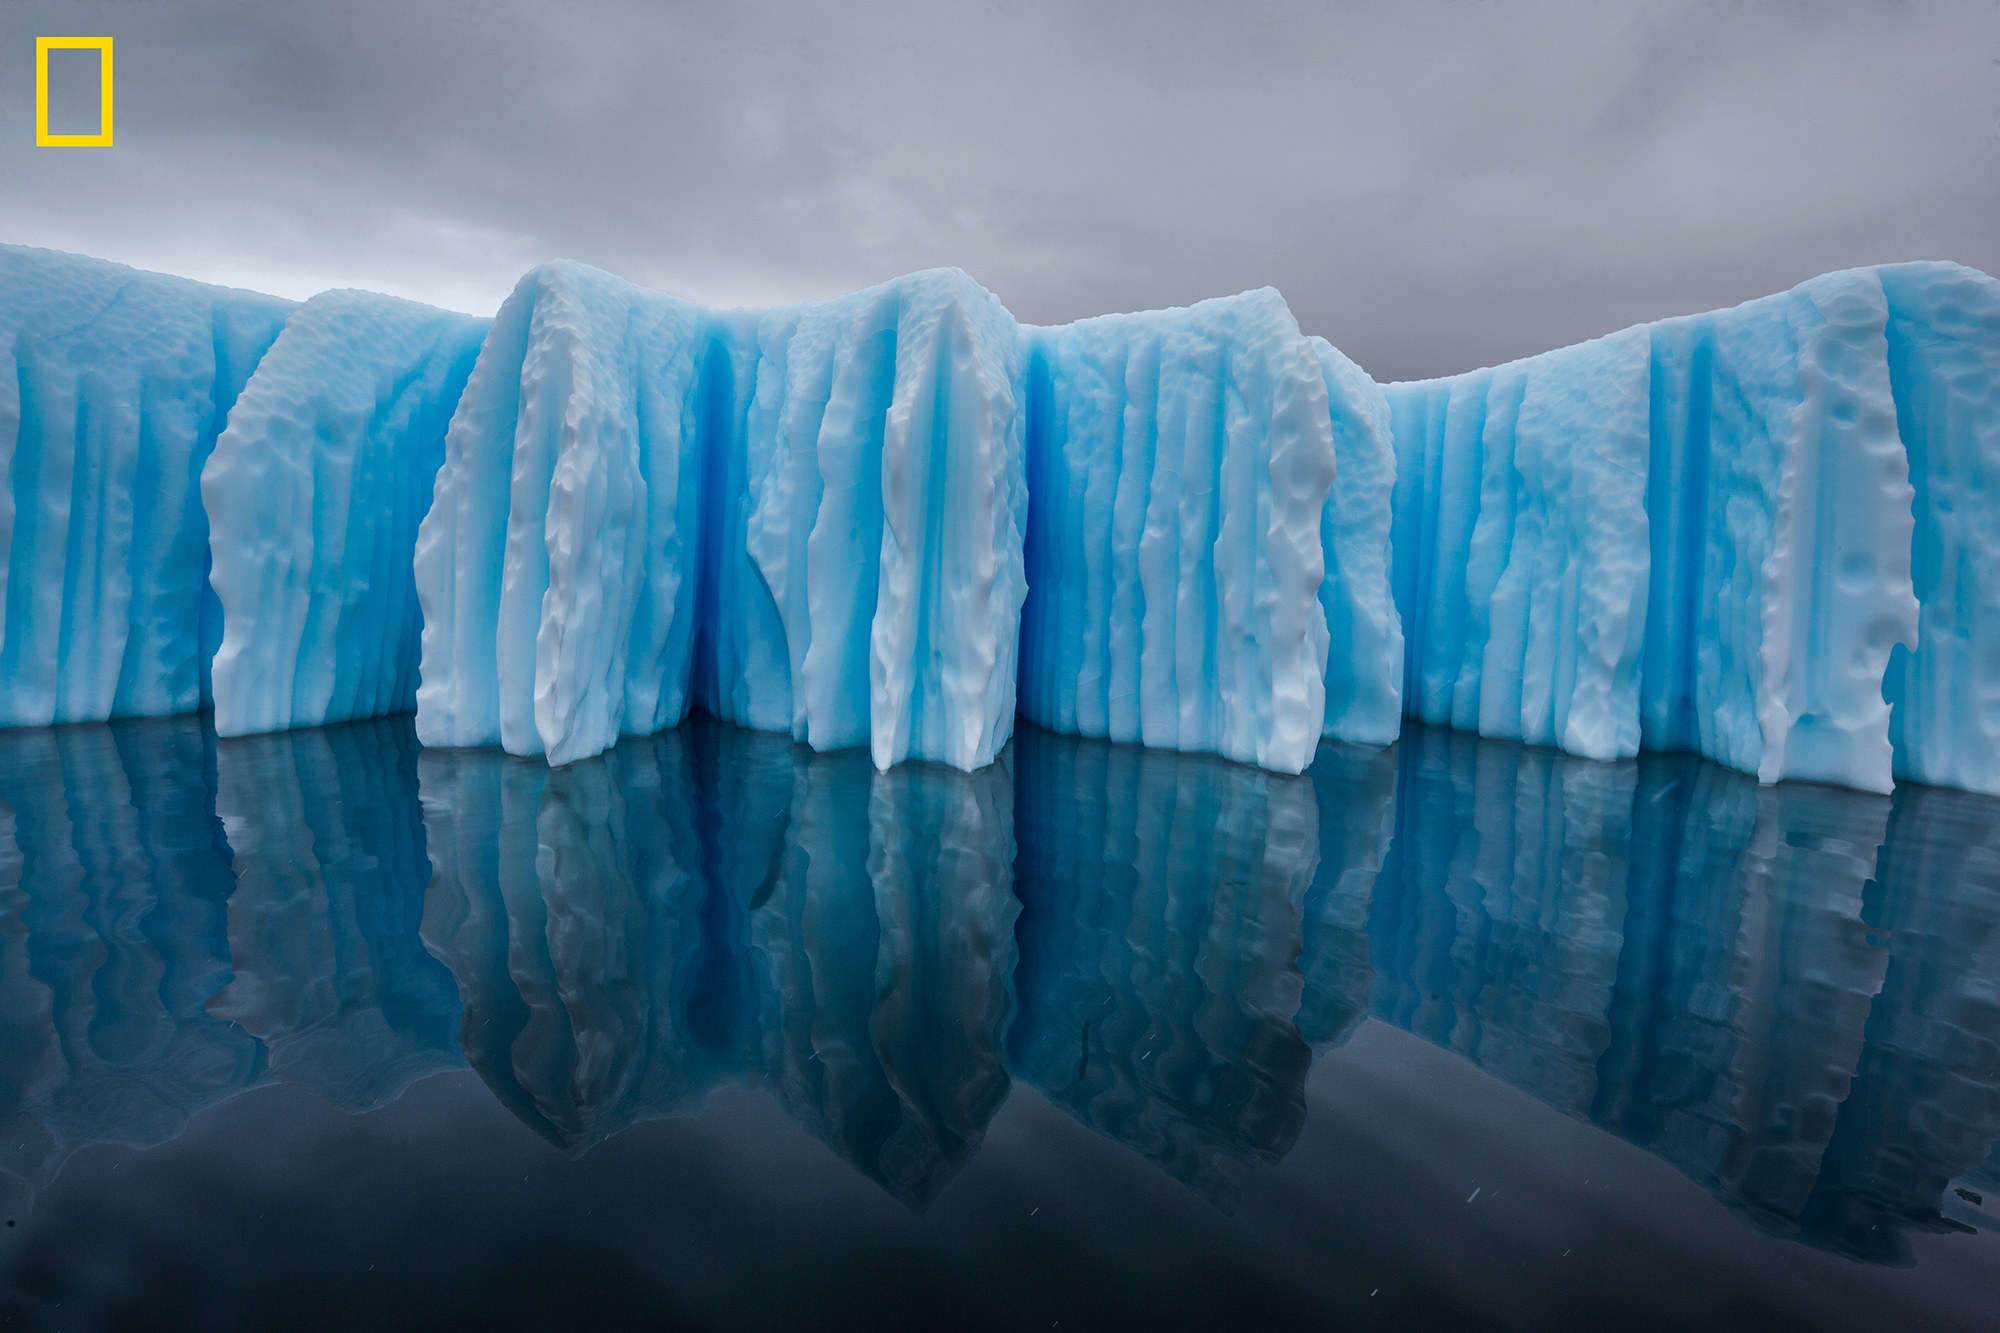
{"x":863,"y":572}
{"x":1944,"y":369}
{"x":897,"y":519}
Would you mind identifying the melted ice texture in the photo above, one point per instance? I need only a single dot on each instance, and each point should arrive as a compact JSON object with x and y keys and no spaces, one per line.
{"x":1769,"y":534}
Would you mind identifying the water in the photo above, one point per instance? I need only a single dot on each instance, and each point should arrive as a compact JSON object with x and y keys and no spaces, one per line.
{"x":323,"y":1030}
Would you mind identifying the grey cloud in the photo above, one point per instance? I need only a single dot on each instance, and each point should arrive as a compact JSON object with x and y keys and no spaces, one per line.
{"x":1433,"y":185}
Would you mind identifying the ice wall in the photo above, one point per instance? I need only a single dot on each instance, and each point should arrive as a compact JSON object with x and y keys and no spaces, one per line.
{"x":805,"y":520}
{"x":1780,"y":539}
{"x":313,"y":496}
{"x":1520,"y":546}
{"x":113,"y":387}
{"x":1180,"y":461}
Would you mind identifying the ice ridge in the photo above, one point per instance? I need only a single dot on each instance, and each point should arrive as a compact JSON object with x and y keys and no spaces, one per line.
{"x":553,"y":565}
{"x":864,"y":575}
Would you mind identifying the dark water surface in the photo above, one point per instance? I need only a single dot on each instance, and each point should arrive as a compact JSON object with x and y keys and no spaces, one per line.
{"x":320,"y":1030}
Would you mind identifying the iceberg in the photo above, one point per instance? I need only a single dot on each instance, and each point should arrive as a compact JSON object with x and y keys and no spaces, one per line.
{"x":898,"y":519}
{"x":1520,"y":542}
{"x":113,"y":386}
{"x":1781,"y":547}
{"x":313,"y":494}
{"x":1364,"y":653}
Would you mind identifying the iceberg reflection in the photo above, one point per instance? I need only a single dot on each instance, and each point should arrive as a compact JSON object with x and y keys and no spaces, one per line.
{"x":1789,"y":993}
{"x":713,"y":903}
{"x":1160,"y":934}
{"x":330,"y":867}
{"x":114,"y":898}
{"x":1786,"y":992}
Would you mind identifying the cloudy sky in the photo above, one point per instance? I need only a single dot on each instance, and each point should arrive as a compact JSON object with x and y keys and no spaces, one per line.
{"x":1433,"y":184}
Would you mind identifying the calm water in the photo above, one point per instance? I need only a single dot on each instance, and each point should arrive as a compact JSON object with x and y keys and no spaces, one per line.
{"x":323,"y":1030}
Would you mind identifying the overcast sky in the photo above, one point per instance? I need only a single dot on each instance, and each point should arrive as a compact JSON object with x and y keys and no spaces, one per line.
{"x":1433,"y":184}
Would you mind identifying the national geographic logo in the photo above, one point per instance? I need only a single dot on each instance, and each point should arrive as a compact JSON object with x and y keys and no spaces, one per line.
{"x":44,"y":45}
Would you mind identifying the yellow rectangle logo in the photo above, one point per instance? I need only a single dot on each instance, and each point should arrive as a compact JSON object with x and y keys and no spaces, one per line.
{"x":44,"y":45}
